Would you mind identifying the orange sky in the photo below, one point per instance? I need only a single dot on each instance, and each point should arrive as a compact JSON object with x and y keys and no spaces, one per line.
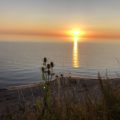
{"x":23,"y":20}
{"x":50,"y":33}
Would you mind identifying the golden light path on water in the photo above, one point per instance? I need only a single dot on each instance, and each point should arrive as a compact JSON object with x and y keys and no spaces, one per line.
{"x":75,"y":59}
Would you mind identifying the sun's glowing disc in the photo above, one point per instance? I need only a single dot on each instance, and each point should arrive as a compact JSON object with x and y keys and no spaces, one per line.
{"x":76,"y":33}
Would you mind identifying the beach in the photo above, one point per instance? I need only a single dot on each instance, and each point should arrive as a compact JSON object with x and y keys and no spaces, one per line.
{"x":73,"y":89}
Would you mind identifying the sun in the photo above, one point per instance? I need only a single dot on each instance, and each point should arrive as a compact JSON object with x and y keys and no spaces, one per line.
{"x":76,"y":33}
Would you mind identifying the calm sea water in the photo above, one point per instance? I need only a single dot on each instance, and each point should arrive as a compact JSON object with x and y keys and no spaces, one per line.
{"x":20,"y":61}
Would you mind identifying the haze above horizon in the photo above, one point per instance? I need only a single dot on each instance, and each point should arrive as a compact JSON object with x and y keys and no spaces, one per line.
{"x":52,"y":18}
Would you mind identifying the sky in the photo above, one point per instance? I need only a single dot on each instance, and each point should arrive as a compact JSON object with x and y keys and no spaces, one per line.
{"x":52,"y":18}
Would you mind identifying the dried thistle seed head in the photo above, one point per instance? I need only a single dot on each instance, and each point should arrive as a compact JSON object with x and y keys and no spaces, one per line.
{"x":61,"y":75}
{"x":52,"y":64}
{"x":48,"y":66}
{"x":44,"y":59}
{"x":56,"y":76}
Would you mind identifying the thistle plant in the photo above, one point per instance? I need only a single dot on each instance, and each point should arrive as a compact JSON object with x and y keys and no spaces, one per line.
{"x":47,"y":75}
{"x":47,"y":70}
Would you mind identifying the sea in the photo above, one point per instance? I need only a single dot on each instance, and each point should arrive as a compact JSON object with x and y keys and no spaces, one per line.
{"x":20,"y":62}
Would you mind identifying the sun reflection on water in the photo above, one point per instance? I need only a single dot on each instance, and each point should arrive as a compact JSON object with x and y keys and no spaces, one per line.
{"x":75,"y":53}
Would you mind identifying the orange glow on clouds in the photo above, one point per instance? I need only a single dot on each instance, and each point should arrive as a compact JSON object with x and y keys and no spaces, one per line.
{"x":19,"y":34}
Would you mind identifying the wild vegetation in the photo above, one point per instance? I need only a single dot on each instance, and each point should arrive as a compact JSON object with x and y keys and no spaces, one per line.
{"x":60,"y":100}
